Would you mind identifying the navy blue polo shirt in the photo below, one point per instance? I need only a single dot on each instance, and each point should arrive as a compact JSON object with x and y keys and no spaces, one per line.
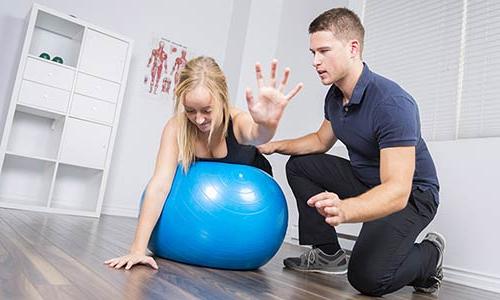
{"x":380,"y":114}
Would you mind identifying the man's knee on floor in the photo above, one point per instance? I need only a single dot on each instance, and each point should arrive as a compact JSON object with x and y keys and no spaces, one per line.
{"x":366,"y":281}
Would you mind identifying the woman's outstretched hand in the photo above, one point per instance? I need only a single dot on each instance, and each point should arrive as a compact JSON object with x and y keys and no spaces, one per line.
{"x":267,"y":108}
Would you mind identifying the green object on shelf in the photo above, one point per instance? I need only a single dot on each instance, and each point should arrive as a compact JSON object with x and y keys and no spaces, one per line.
{"x":57,"y":59}
{"x":45,"y":55}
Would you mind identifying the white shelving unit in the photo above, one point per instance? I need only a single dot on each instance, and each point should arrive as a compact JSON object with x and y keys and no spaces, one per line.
{"x":62,"y":120}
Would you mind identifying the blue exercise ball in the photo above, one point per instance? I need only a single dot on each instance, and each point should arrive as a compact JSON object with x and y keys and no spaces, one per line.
{"x":221,"y":215}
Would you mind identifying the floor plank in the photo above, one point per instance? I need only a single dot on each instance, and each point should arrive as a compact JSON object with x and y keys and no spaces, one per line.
{"x":50,"y":256}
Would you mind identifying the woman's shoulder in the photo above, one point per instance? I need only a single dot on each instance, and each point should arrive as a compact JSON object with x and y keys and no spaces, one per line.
{"x":172,"y":124}
{"x":237,"y":113}
{"x":173,"y":121}
{"x":234,"y":112}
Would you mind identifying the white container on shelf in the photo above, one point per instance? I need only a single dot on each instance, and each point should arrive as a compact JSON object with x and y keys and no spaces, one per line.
{"x":49,"y":73}
{"x":43,"y":96}
{"x":62,"y":121}
{"x":95,"y":87}
{"x":92,"y":109}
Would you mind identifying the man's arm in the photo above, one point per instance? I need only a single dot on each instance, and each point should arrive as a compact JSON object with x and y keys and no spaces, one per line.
{"x":317,"y":142}
{"x":397,"y":165}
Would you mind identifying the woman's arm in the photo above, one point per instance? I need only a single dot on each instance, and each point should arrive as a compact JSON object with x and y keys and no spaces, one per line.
{"x":154,"y":199}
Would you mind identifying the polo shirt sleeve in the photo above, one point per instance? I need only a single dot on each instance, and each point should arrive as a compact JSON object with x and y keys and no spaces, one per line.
{"x":396,"y":123}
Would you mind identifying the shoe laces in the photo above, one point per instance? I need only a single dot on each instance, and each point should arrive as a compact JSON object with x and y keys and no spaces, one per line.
{"x":311,"y":257}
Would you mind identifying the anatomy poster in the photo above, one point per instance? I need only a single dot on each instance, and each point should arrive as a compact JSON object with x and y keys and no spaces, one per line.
{"x":163,"y":64}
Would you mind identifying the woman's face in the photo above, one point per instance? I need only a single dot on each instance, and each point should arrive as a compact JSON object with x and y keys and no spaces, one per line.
{"x":198,"y":107}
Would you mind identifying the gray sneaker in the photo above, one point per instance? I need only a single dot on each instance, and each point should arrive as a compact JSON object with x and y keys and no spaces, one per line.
{"x":315,"y":260}
{"x":439,"y":241}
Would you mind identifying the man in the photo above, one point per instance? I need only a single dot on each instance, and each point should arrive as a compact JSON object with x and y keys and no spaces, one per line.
{"x":389,"y":184}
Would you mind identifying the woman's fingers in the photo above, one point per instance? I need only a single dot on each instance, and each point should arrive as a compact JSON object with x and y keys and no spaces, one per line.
{"x":274,"y":67}
{"x":258,"y":74}
{"x":294,"y":91}
{"x":150,"y":261}
{"x":249,"y":97}
{"x":121,"y":263}
{"x":130,"y":263}
{"x":284,"y":81}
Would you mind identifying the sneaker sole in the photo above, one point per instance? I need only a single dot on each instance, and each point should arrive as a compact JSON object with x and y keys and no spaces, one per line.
{"x":442,"y":238}
{"x":433,"y":292}
{"x":444,"y":244}
{"x":320,"y":271}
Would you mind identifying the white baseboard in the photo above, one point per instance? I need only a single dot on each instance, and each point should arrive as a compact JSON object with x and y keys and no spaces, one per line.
{"x":472,"y":279}
{"x":120,"y":211}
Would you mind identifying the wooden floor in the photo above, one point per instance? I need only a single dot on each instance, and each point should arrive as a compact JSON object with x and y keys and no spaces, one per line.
{"x":48,"y":256}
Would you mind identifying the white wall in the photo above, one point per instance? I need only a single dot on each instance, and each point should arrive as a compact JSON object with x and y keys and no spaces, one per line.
{"x":236,"y":45}
{"x":202,"y":26}
{"x":259,"y":45}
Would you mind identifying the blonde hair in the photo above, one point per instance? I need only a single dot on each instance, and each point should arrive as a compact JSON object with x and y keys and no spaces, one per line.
{"x":201,"y":71}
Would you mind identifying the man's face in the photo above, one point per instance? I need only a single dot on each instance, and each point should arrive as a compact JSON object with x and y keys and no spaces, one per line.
{"x":331,"y":56}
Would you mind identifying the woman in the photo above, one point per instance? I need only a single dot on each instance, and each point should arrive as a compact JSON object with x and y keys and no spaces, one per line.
{"x":205,"y":127}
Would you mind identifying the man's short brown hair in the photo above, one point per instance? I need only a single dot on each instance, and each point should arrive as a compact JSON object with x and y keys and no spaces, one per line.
{"x":344,"y":24}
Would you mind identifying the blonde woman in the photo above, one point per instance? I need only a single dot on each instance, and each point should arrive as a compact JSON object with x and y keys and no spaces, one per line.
{"x":206,"y":127}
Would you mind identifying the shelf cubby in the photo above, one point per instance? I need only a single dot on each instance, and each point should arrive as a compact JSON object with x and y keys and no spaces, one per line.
{"x":26,"y":181}
{"x":57,"y":37}
{"x":35,"y":133}
{"x":76,"y":188}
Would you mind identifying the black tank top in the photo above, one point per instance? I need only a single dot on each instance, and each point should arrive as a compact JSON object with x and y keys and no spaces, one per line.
{"x":241,"y":154}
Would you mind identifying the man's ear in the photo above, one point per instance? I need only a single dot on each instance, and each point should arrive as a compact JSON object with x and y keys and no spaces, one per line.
{"x":355,"y":48}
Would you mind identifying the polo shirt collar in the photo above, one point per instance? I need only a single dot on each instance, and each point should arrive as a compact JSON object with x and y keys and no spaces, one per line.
{"x":360,"y":87}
